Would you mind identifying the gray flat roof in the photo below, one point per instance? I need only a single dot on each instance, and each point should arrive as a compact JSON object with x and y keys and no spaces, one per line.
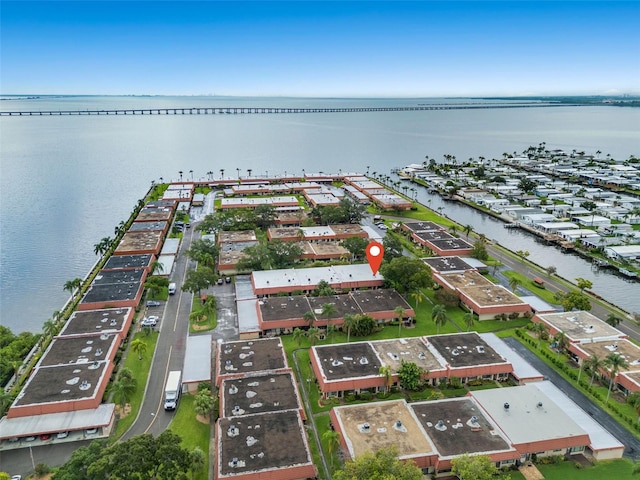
{"x":66,"y":350}
{"x":259,"y":394}
{"x":413,"y":349}
{"x":447,"y":264}
{"x":347,"y":360}
{"x":244,"y":289}
{"x":465,"y":349}
{"x":127,"y":261}
{"x":248,"y":315}
{"x":195,"y":368}
{"x":56,"y":422}
{"x":170,"y":246}
{"x":91,"y":321}
{"x":246,"y":356}
{"x":524,"y":421}
{"x":538,"y":304}
{"x":261,"y":442}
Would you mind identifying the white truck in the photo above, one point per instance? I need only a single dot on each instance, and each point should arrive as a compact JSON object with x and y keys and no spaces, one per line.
{"x":172,"y":288}
{"x":172,"y":390}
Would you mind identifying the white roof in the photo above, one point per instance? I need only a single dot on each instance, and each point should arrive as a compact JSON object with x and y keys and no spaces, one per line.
{"x":372,"y":233}
{"x":600,"y":438}
{"x":244,"y":289}
{"x":167,"y":262}
{"x":521,"y":368}
{"x":57,"y":422}
{"x":319,"y":231}
{"x":248,"y":316}
{"x":195,"y":370}
{"x":524,"y":421}
{"x":306,"y":277}
{"x":538,"y":304}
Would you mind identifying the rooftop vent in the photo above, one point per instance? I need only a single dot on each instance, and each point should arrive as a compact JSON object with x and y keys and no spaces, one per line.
{"x":233,"y":389}
{"x":506,"y":405}
{"x":440,"y":426}
{"x":539,"y":404}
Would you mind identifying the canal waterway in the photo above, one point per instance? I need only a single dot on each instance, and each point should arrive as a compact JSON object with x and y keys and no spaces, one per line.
{"x":616,"y":289}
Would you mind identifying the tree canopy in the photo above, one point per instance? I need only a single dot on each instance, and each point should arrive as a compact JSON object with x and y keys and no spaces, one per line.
{"x":143,"y":457}
{"x":383,"y":465}
{"x":406,"y":274}
{"x":474,"y":467}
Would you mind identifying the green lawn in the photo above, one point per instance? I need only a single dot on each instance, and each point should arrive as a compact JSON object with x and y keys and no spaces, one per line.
{"x":140,"y":369}
{"x":209,"y":323}
{"x":609,"y":470}
{"x":193,"y":433}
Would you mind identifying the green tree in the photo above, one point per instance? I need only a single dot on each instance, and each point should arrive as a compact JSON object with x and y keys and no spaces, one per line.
{"x":514,"y":283}
{"x":198,"y":280}
{"x":332,"y":440}
{"x":364,"y":326}
{"x":349,"y":322}
{"x":323,"y":289}
{"x":102,"y":246}
{"x":382,"y":465}
{"x":526,"y":185}
{"x":329,"y":310}
{"x":123,"y":389}
{"x":614,"y":362}
{"x":140,"y":347}
{"x":197,"y":460}
{"x":540,"y":329}
{"x":473,"y":467}
{"x":356,"y":246}
{"x":468,"y":319}
{"x":467,"y":229}
{"x":72,"y":285}
{"x":265,"y":216}
{"x":594,"y":364}
{"x":314,"y":334}
{"x":385,"y":371}
{"x":523,"y":254}
{"x":439,"y":316}
{"x":399,"y":314}
{"x":561,"y":341}
{"x":205,"y":252}
{"x":309,"y":317}
{"x":156,"y":284}
{"x":298,"y":335}
{"x":583,"y":283}
{"x":4,"y":476}
{"x":392,"y":247}
{"x":203,"y":402}
{"x":49,"y":328}
{"x":479,"y":250}
{"x":80,"y":461}
{"x":613,"y":320}
{"x":575,"y":300}
{"x":143,"y":456}
{"x":410,"y":375}
{"x":551,"y":270}
{"x":406,"y":274}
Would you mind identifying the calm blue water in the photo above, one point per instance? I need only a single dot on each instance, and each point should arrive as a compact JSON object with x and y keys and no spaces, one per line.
{"x":66,"y":182}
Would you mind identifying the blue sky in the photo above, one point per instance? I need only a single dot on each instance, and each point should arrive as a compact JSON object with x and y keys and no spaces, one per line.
{"x":324,"y":49}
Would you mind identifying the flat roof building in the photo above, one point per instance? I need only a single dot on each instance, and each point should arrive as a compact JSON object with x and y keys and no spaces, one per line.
{"x":243,"y":357}
{"x":579,"y":326}
{"x":128,"y":262}
{"x":137,"y":243}
{"x":111,"y":320}
{"x":444,"y":265}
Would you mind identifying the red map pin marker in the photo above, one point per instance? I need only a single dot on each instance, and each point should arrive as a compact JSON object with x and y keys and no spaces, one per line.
{"x":375,"y":252}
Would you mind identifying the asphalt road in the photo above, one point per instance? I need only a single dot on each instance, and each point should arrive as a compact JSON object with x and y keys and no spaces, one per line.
{"x":632,"y":444}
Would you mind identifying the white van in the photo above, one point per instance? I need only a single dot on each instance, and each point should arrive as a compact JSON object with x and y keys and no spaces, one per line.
{"x":172,"y":288}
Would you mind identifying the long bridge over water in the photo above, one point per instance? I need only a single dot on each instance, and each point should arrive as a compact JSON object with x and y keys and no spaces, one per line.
{"x":270,"y":110}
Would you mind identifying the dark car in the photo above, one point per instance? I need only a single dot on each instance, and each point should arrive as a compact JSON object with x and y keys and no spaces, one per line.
{"x":227,"y":279}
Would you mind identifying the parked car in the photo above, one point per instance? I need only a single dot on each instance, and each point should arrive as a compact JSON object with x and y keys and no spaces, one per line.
{"x":45,"y":436}
{"x":62,"y":435}
{"x":153,"y":303}
{"x":91,"y":431}
{"x":149,"y":322}
{"x":16,"y":477}
{"x":220,"y":281}
{"x":29,"y":439}
{"x":187,"y":225}
{"x":227,"y":279}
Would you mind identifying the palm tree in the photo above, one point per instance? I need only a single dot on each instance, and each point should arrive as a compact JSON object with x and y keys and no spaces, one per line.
{"x":333,"y":440}
{"x":560,"y":339}
{"x":329,"y":309}
{"x":594,"y":364}
{"x":222,"y":173}
{"x":439,"y":316}
{"x":180,"y":172}
{"x":540,"y":329}
{"x":453,"y":229}
{"x":385,"y":371}
{"x":467,"y":229}
{"x":203,"y":403}
{"x":614,"y":362}
{"x":309,"y":317}
{"x":191,"y":172}
{"x":156,"y":266}
{"x":249,"y":172}
{"x":72,"y":285}
{"x":417,"y":296}
{"x":298,"y":335}
{"x":139,"y":347}
{"x":122,"y":390}
{"x":514,"y":283}
{"x":468,"y":319}
{"x":49,"y":328}
{"x":313,"y":334}
{"x":198,"y":461}
{"x":350,"y":321}
{"x":399,"y":313}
